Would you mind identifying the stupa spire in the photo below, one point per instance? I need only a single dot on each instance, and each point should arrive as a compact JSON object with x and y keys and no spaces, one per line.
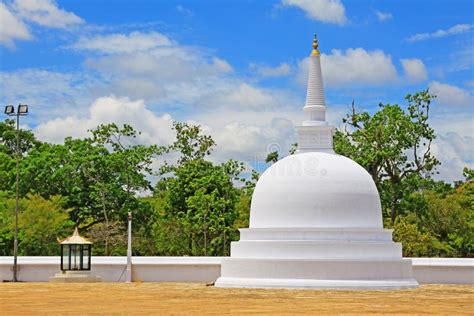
{"x":315,"y":134}
{"x":315,"y":104}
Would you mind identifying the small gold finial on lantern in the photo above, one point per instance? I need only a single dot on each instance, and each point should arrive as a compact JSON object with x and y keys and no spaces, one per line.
{"x":315,"y":46}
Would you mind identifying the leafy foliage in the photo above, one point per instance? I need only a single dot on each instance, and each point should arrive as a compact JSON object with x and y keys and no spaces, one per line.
{"x":41,"y":222}
{"x":394,"y":146}
{"x":272,"y":157}
{"x":441,"y":225}
{"x":199,"y":196}
{"x":27,"y":142}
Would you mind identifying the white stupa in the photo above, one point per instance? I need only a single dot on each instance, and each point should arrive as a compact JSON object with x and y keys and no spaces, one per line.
{"x":315,"y":219}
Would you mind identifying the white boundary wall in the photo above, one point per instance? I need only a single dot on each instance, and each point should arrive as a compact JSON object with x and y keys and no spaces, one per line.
{"x":443,"y":270}
{"x":208,"y":269}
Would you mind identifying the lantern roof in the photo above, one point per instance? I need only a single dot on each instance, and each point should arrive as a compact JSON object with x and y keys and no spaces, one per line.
{"x":75,"y":239}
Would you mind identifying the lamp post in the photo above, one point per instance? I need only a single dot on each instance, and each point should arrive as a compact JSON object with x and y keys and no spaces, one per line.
{"x":21,"y":111}
{"x":128,"y":277}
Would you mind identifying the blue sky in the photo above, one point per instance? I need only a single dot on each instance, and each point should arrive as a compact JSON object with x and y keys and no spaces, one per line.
{"x":238,"y":68}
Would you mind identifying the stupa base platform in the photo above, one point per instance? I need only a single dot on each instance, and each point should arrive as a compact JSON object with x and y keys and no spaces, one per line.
{"x":316,"y":284}
{"x":317,"y":273}
{"x":75,"y":277}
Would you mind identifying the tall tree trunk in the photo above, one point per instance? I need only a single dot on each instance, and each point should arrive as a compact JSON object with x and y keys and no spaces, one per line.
{"x":104,"y":209}
{"x":224,"y":237}
{"x":190,"y":244}
{"x":205,"y":234}
{"x":393,"y":212}
{"x":224,"y":245}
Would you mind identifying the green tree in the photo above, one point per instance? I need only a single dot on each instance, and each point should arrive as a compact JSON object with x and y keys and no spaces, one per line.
{"x":121,"y":174}
{"x":190,"y":143}
{"x":272,"y":157}
{"x":7,"y":218}
{"x":28,"y":140}
{"x":41,"y":223}
{"x":100,"y":176}
{"x":415,"y":242}
{"x":168,"y":232}
{"x":438,"y":221}
{"x":393,"y":145}
{"x":199,"y":195}
{"x":8,"y":151}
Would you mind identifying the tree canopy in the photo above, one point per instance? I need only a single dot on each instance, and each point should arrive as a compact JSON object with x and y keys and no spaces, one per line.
{"x":393,"y":145}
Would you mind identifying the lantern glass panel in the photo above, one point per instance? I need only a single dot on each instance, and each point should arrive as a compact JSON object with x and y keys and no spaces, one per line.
{"x":75,"y":257}
{"x":65,"y":254}
{"x":85,"y":258}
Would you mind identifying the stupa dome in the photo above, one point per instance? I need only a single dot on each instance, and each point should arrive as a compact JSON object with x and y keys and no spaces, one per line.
{"x":316,"y":190}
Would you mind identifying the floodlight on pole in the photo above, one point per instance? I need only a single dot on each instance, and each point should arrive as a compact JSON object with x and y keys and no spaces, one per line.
{"x":22,"y":111}
{"x":9,"y":110}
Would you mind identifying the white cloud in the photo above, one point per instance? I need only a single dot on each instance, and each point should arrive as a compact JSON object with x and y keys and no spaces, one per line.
{"x":250,"y":134}
{"x":453,"y":121}
{"x":11,"y":28}
{"x":469,"y":83}
{"x":242,"y":96}
{"x":445,"y":122}
{"x":174,"y":77}
{"x":46,"y":13}
{"x":235,"y":139}
{"x":246,"y":135}
{"x":15,"y":16}
{"x":247,"y":142}
{"x":383,"y":16}
{"x":451,"y":96}
{"x":461,"y":58}
{"x":414,"y":70}
{"x":456,"y":29}
{"x":267,"y":71}
{"x":352,"y":67}
{"x":184,"y":10}
{"x":122,"y":43}
{"x":222,"y":65}
{"x":153,"y":67}
{"x":454,"y":152}
{"x":55,"y":93}
{"x":160,"y":75}
{"x":329,"y":11}
{"x":155,"y":129}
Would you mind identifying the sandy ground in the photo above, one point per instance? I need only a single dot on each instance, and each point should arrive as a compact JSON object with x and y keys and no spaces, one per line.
{"x":198,"y":299}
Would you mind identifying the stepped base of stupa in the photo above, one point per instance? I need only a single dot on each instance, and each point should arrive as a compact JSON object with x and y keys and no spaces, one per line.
{"x":75,"y":277}
{"x":336,"y":258}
